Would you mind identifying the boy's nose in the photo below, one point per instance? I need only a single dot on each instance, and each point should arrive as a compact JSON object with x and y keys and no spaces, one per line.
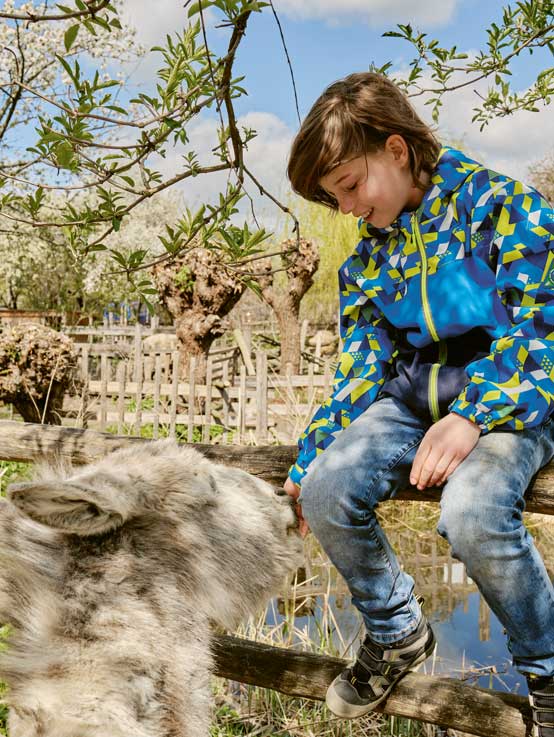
{"x":346,"y":205}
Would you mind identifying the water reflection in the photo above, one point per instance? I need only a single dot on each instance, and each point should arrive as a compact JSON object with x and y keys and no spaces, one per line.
{"x":471,"y":641}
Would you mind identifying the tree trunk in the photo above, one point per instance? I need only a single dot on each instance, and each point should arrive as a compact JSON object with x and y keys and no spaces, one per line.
{"x":195,"y":339}
{"x":287,"y":311}
{"x":47,"y":411}
{"x":300,"y":261}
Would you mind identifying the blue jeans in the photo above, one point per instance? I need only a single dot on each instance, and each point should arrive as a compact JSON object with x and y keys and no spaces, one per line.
{"x":481,"y":517}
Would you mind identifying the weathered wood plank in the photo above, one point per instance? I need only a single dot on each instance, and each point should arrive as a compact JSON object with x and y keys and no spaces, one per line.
{"x":443,"y":701}
{"x":21,"y":441}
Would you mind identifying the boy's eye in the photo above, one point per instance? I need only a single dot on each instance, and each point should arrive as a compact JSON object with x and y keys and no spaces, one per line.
{"x":351,"y":187}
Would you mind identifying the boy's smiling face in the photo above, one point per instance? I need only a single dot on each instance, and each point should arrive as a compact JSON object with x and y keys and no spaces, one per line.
{"x":376,"y":187}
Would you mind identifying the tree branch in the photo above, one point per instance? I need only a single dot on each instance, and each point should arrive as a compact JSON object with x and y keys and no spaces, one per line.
{"x":37,"y":18}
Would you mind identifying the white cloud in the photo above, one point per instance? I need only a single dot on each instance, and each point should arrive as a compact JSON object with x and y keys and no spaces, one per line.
{"x":373,"y":12}
{"x":154,"y":20}
{"x":508,"y":144}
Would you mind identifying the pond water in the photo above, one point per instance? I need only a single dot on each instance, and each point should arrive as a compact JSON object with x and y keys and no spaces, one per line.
{"x":470,"y":641}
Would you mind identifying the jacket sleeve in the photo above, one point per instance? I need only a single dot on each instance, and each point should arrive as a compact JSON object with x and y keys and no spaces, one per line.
{"x":514,"y":384}
{"x":362,"y":368}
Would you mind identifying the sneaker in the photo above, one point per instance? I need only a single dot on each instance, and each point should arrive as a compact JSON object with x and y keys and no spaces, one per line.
{"x":541,"y":698}
{"x":359,"y":688}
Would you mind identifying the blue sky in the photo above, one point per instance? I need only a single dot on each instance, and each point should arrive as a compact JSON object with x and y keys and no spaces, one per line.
{"x":328,"y":39}
{"x":324,"y":51}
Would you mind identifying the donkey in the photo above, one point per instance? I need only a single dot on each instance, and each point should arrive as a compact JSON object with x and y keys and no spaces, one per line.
{"x":112,"y":576}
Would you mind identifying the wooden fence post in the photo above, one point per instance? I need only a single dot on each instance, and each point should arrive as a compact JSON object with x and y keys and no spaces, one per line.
{"x":174,"y":394}
{"x":261,"y":397}
{"x":104,"y":378}
{"x":192,"y":402}
{"x":85,"y":393}
{"x":243,"y":346}
{"x":138,"y":352}
{"x":225,"y":399}
{"x":157,"y":382}
{"x":311,"y":389}
{"x":208,"y":404}
{"x":138,"y":395}
{"x":121,"y":371}
{"x":241,"y":406}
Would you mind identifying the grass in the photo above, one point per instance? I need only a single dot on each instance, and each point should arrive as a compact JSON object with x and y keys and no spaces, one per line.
{"x":181,"y":432}
{"x":11,"y":471}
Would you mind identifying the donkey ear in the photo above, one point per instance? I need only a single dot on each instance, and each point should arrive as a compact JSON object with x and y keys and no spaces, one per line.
{"x":64,"y":506}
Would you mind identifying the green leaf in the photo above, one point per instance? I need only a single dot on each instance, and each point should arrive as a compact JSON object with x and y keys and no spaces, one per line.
{"x":195,"y":7}
{"x":70,"y":36}
{"x":63,"y":154}
{"x":172,"y":124}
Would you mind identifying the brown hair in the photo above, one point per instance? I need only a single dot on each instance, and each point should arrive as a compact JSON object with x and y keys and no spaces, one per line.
{"x":353,"y":117}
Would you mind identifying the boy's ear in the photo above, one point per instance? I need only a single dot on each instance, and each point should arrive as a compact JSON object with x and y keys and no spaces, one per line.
{"x":66,"y":507}
{"x":398,"y":148}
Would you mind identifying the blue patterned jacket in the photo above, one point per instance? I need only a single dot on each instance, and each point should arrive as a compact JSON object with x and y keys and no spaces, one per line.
{"x":451,"y":309}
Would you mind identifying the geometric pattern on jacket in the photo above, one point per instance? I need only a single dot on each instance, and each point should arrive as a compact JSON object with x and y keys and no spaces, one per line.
{"x":488,"y":262}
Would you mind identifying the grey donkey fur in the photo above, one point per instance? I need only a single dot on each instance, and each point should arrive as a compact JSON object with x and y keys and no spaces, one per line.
{"x":110,"y":575}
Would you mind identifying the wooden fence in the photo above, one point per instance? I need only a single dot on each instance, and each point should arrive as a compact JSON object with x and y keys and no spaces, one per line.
{"x":142,"y":392}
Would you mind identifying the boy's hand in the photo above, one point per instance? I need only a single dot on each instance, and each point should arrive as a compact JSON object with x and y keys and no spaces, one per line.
{"x":443,"y":448}
{"x":293,"y":490}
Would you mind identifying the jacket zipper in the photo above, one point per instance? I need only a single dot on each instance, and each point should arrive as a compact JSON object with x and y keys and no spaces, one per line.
{"x":433,"y":389}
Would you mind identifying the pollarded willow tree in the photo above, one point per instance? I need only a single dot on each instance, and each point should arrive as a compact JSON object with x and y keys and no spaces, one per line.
{"x":95,"y":156}
{"x":298,"y":262}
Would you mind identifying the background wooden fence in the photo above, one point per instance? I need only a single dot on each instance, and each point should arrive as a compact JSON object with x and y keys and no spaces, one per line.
{"x":242,"y":400}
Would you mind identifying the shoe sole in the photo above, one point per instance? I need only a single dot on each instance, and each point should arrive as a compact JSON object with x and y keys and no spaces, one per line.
{"x":344,"y":710}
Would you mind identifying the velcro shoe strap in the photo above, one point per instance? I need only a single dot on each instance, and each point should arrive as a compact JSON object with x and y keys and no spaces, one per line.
{"x":543,"y":700}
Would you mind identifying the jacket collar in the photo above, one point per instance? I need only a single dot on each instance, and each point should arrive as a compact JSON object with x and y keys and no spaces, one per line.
{"x":451,"y":171}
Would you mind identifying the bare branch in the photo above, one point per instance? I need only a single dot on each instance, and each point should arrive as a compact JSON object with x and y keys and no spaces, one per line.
{"x":31,"y":17}
{"x":13,"y":100}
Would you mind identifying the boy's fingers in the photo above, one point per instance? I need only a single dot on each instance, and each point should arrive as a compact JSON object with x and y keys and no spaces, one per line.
{"x":420,"y":458}
{"x":428,"y":470}
{"x":454,"y":463}
{"x":440,"y":471}
{"x":303,"y":528}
